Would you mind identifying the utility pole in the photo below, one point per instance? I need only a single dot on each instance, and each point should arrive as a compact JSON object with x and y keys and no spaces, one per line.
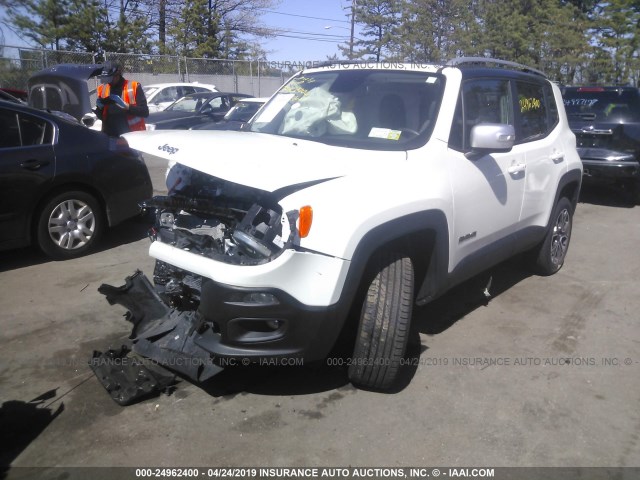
{"x":162,"y":26}
{"x":353,"y":23}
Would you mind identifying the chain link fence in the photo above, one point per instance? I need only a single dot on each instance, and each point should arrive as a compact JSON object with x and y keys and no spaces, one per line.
{"x":18,"y":64}
{"x":262,"y":78}
{"x":257,"y":78}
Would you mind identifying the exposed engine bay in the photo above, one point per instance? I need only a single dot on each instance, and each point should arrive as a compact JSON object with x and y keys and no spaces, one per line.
{"x":217,"y":219}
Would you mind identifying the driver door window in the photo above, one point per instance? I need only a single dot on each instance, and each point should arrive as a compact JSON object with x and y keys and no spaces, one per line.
{"x":481,"y":101}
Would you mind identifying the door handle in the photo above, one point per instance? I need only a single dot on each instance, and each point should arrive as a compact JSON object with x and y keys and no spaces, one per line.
{"x":557,"y":158}
{"x":34,"y":164}
{"x":517,"y":168}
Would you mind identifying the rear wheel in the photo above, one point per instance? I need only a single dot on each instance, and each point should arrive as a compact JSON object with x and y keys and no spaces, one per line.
{"x":69,"y":225}
{"x":549,"y":256}
{"x":383,"y":331}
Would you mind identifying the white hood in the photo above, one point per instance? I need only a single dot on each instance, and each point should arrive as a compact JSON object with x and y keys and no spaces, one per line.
{"x":266,"y":162}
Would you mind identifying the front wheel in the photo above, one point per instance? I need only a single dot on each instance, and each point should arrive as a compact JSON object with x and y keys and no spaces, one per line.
{"x":69,"y":225}
{"x":384,"y":323}
{"x":550,"y":255}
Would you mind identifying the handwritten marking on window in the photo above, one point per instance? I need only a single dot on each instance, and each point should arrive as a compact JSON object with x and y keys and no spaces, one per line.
{"x":580,"y":102}
{"x":528,"y":104}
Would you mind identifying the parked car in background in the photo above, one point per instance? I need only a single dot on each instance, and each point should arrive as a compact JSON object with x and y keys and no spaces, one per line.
{"x":193,"y":110}
{"x":18,"y":94}
{"x":606,"y":122}
{"x":64,"y":88}
{"x":161,"y":95}
{"x":4,"y":95}
{"x":237,"y":117}
{"x":62,"y":184}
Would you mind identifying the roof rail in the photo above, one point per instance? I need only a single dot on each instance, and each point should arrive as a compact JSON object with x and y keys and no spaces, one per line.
{"x":460,"y":61}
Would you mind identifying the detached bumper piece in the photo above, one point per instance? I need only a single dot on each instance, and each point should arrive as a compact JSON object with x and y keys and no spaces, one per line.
{"x":162,"y":334}
{"x":126,"y":378}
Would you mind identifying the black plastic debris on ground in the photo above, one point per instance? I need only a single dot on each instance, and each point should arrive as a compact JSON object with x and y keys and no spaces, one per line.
{"x":138,"y":296}
{"x":126,"y":378}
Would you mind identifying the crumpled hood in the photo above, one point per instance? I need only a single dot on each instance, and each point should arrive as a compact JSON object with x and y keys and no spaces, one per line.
{"x":258,"y":160}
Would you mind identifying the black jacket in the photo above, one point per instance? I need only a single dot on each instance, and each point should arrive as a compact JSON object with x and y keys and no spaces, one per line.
{"x":115,"y":123}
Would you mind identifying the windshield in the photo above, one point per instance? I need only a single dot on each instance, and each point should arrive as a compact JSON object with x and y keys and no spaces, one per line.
{"x":242,"y":111}
{"x":376,"y":109}
{"x":602,"y":105}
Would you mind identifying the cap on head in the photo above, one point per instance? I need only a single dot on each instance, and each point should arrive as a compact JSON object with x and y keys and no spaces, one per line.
{"x":111,"y":68}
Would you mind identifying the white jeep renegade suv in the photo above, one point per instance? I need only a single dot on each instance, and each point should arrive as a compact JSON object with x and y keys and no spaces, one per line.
{"x":374,"y":186}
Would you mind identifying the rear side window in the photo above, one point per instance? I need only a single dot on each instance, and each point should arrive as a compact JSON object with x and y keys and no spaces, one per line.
{"x":534,"y":118}
{"x":33,"y":131}
{"x":597,"y":104}
{"x":21,"y":130}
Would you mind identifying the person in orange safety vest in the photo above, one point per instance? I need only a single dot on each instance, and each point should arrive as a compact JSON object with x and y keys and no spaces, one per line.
{"x":121,"y":103}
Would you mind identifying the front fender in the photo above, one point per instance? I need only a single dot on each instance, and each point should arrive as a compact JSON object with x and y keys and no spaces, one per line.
{"x":423,"y":235}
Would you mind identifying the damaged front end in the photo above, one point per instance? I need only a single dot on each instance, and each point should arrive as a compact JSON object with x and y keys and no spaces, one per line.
{"x":213,"y":219}
{"x":219,"y":220}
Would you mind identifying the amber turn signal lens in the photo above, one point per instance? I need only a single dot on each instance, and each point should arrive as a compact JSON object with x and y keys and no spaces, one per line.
{"x":304,"y":221}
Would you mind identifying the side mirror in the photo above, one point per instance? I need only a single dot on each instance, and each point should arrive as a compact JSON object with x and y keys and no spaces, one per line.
{"x":492,"y":138}
{"x":88,"y":119}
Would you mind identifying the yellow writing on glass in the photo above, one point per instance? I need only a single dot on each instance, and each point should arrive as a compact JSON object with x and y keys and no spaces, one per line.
{"x":528,"y":104}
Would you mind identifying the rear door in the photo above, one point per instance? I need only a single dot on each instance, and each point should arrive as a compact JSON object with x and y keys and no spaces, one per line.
{"x":537,"y":129}
{"x":27,"y":164}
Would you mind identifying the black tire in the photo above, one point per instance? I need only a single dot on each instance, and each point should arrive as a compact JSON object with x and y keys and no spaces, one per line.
{"x":385,"y":318}
{"x":549,"y":256}
{"x":69,"y":225}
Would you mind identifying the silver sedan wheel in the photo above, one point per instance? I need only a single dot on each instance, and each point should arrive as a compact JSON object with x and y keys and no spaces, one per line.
{"x":71,"y":224}
{"x":560,"y":237}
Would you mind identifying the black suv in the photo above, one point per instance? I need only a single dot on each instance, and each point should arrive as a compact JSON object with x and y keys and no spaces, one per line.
{"x":606,"y":121}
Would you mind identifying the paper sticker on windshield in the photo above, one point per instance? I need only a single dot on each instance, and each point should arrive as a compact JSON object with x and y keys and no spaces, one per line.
{"x":385,"y":133}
